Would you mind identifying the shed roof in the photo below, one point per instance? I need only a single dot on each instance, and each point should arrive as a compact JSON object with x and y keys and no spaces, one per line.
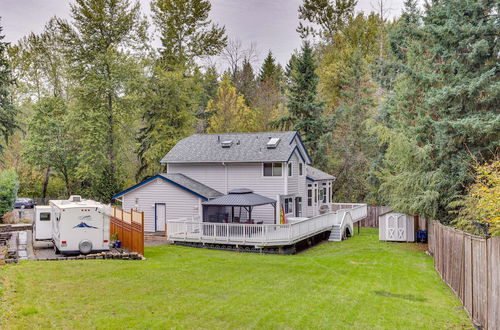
{"x":240,"y":197}
{"x":180,"y":180}
{"x":237,"y":147}
{"x":313,"y":174}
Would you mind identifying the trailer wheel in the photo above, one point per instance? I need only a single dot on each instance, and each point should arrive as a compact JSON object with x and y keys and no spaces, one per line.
{"x":85,"y":247}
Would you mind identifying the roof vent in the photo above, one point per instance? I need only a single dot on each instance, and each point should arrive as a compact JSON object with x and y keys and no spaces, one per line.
{"x":273,"y":143}
{"x":227,"y":143}
{"x":75,"y":198}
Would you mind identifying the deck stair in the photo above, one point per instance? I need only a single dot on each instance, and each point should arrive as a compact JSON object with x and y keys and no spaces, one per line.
{"x":336,"y":234}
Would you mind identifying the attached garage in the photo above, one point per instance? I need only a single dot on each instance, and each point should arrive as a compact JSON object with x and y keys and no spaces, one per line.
{"x":166,"y":197}
{"x":397,"y":227}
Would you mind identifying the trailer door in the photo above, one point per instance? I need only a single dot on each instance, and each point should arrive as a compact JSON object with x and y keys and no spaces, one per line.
{"x":43,"y":223}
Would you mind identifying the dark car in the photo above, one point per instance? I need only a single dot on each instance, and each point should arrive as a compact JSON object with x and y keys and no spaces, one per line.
{"x":24,"y":203}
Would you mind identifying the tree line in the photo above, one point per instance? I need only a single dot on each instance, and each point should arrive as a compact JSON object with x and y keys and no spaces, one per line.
{"x":401,"y":111}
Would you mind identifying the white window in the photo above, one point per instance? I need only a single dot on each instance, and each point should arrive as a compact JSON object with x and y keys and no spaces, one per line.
{"x":290,"y":168}
{"x":273,"y":169}
{"x":309,"y":197}
{"x":44,"y":216}
{"x":301,"y":169}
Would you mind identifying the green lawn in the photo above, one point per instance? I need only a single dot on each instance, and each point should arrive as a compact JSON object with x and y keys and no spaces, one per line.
{"x":359,"y":283}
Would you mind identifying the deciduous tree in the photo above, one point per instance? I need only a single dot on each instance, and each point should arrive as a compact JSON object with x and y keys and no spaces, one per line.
{"x":228,"y":110}
{"x":186,"y":32}
{"x":102,"y":44}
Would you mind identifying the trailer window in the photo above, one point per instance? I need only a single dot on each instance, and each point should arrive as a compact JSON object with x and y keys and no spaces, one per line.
{"x":44,"y":216}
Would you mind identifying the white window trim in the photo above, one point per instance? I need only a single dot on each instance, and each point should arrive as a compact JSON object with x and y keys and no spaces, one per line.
{"x":289,"y":169}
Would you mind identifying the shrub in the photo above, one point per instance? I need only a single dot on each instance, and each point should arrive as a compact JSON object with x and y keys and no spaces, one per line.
{"x":480,"y":212}
{"x":8,"y":190}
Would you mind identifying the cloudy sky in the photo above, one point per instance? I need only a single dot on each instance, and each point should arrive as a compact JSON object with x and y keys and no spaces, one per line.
{"x":270,"y":24}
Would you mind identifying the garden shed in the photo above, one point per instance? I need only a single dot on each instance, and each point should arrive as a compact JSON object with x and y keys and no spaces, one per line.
{"x":398,"y":227}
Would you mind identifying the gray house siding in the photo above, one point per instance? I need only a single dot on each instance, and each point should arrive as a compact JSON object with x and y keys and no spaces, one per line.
{"x":210,"y":174}
{"x":179,"y":203}
{"x":239,"y":175}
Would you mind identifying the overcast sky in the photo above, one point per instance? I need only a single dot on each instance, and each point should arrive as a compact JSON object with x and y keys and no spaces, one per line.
{"x":270,"y":24}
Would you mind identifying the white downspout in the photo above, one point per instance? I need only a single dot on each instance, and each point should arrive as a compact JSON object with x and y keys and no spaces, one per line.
{"x":285,"y":174}
{"x":225,"y":174}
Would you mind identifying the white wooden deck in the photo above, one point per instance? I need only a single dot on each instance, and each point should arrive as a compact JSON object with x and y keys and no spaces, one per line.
{"x":265,"y":235}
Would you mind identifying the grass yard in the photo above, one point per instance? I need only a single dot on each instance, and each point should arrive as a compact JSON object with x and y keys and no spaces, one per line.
{"x":359,"y":283}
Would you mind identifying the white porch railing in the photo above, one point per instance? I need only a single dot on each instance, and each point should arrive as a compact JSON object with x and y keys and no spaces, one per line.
{"x":259,"y":235}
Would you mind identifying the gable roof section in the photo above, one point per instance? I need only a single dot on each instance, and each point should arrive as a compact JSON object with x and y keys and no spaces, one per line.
{"x":245,"y":147}
{"x":182,"y":181}
{"x":313,"y":174}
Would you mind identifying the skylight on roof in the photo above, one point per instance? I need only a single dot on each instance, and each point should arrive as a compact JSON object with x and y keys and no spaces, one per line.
{"x":273,"y":143}
{"x":227,"y":143}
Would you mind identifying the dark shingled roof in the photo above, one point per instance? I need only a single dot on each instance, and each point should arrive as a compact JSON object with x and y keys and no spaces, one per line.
{"x":182,"y":181}
{"x":192,"y":185}
{"x":315,"y":175}
{"x":240,"y":197}
{"x":245,"y":147}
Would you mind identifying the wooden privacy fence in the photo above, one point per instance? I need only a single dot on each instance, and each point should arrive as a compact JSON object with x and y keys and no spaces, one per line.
{"x":130,"y":229}
{"x":470,"y":265}
{"x":372,"y":214}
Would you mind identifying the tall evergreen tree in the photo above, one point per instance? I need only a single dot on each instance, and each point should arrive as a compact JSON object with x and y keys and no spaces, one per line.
{"x":186,"y":33}
{"x":177,"y":91}
{"x":305,"y":109}
{"x":169,"y":100}
{"x":100,"y":44}
{"x":208,"y":80}
{"x":270,"y":70}
{"x":8,"y":122}
{"x":444,"y":111}
{"x":245,"y":83}
{"x":350,"y":144}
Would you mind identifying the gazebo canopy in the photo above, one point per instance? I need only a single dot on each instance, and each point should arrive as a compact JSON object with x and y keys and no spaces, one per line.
{"x":240,"y":197}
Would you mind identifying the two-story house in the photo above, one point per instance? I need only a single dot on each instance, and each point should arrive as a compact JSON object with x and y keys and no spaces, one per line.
{"x":205,"y":166}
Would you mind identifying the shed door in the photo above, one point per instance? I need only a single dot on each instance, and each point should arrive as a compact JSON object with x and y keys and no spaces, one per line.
{"x":391,"y":228}
{"x":401,"y":230}
{"x":160,"y":216}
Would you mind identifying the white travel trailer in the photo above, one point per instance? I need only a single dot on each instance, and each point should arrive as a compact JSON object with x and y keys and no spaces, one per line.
{"x":79,"y":226}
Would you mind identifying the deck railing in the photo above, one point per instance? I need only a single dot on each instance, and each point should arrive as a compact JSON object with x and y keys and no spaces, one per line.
{"x":259,"y":234}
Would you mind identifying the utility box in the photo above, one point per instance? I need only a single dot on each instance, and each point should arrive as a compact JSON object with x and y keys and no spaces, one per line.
{"x":397,"y":227}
